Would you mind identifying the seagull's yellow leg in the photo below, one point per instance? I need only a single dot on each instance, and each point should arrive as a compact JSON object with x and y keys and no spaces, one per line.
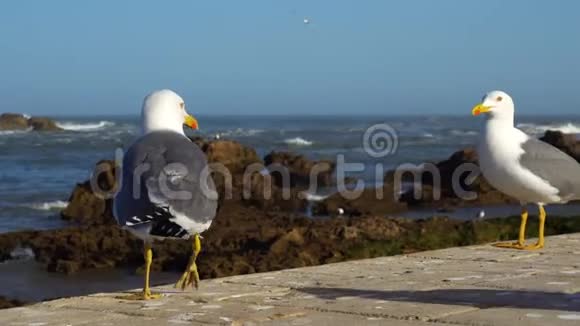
{"x":540,"y":243}
{"x":146,"y":294}
{"x":520,"y":244}
{"x":191,"y":276}
{"x":148,"y":260}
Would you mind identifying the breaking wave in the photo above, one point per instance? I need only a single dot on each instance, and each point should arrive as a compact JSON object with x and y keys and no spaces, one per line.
{"x":314,"y":197}
{"x":22,"y":253}
{"x":49,"y":206}
{"x":567,"y":128}
{"x":75,"y":126}
{"x":13,"y":132}
{"x":240,"y":132}
{"x":456,"y":132}
{"x":298,"y":141}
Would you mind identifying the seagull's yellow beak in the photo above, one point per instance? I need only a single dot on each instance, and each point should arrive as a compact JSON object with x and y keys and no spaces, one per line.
{"x":480,"y":109}
{"x":191,"y":122}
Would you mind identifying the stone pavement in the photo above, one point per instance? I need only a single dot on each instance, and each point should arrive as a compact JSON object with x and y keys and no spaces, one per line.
{"x":479,"y":285}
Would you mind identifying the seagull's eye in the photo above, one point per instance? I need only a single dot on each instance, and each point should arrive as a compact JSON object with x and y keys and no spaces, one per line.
{"x":498,"y":99}
{"x":182,"y":105}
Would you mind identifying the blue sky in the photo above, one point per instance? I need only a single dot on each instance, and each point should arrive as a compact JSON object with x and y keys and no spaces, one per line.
{"x":256,"y":57}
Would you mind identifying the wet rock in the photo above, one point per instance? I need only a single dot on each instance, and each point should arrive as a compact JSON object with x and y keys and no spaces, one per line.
{"x":239,"y":177}
{"x":246,"y":240}
{"x":568,"y":143}
{"x":91,"y":201}
{"x":14,"y":121}
{"x":64,"y":266}
{"x":73,"y":249}
{"x":43,"y":124}
{"x":282,"y":245}
{"x":299,"y":170}
{"x":6,"y":303}
{"x":259,"y":191}
{"x":371,"y":201}
{"x":232,"y":164}
{"x":231,"y":154}
{"x":349,"y":232}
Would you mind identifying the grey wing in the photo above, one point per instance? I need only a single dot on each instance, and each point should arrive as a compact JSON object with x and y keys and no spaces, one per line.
{"x":167,"y":171}
{"x":179,"y":179}
{"x":554,"y":166}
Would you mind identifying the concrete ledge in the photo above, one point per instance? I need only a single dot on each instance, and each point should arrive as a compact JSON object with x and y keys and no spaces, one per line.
{"x":479,"y":285}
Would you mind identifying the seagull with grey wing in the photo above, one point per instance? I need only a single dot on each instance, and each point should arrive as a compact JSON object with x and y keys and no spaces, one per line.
{"x":166,"y":191}
{"x":523,"y":167}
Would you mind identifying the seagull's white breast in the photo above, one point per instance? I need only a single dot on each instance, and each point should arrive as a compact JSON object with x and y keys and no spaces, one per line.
{"x":499,"y":154}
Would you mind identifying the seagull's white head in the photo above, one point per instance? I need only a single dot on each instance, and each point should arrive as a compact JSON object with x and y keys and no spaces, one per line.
{"x":497,"y":105}
{"x":165,"y":110}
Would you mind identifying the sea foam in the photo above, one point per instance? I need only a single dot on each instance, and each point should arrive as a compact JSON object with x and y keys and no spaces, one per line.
{"x":14,"y":132}
{"x":75,"y":126}
{"x":314,"y":197}
{"x":298,"y":141}
{"x":456,"y":132}
{"x":567,"y":128}
{"x":49,"y":206}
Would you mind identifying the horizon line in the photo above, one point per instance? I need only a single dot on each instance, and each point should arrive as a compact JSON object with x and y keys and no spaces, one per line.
{"x":290,"y":115}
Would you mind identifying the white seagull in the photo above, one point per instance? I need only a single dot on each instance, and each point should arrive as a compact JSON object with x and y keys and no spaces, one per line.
{"x":523,"y":167}
{"x":165,"y":190}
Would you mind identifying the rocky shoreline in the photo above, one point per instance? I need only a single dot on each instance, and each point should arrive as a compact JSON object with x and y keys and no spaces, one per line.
{"x":6,"y":303}
{"x":16,"y":121}
{"x":252,"y":234}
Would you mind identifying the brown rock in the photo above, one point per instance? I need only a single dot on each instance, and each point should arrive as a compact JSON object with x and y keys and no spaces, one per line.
{"x":64,"y":266}
{"x":233,"y":155}
{"x":349,"y":232}
{"x":292,"y":238}
{"x":568,"y":143}
{"x":91,"y":201}
{"x":246,"y":240}
{"x":43,"y":124}
{"x":229,"y":161}
{"x":248,"y":183}
{"x":13,"y":121}
{"x":299,"y":169}
{"x":261,"y":192}
{"x":6,"y":303}
{"x":371,"y":201}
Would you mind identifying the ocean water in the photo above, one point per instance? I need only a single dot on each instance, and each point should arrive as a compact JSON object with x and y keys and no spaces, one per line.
{"x":39,"y":170}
